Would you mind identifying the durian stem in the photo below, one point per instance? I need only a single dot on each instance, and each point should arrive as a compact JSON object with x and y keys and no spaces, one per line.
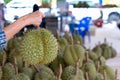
{"x":37,"y":27}
{"x":60,"y":72}
{"x":86,"y":75}
{"x":104,"y":74}
{"x":15,"y":65}
{"x":25,"y":64}
{"x":58,"y":35}
{"x":71,"y":40}
{"x":116,"y":73}
{"x":98,"y":66}
{"x":36,"y":67}
{"x":100,"y":60}
{"x":77,"y":66}
{"x":86,"y":56}
{"x":3,"y":57}
{"x":105,"y":40}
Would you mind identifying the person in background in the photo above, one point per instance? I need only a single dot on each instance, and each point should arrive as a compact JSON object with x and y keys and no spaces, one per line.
{"x":2,"y":19}
{"x":9,"y":31}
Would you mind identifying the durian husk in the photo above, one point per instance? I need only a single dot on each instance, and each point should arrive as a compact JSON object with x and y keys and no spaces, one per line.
{"x":20,"y":76}
{"x":38,"y":46}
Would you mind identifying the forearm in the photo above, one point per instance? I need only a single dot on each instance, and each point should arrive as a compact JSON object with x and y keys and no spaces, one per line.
{"x":15,"y":27}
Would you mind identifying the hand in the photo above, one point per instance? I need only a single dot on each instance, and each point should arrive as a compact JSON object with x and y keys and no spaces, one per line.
{"x":35,"y":18}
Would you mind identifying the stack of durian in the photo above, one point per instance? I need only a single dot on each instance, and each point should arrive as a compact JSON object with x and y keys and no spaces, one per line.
{"x":39,"y":55}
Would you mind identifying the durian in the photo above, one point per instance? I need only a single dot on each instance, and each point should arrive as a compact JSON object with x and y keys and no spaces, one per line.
{"x":20,"y":76}
{"x":38,"y":46}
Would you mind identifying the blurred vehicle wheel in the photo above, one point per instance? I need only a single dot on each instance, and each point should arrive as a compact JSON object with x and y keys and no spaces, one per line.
{"x":113,"y":16}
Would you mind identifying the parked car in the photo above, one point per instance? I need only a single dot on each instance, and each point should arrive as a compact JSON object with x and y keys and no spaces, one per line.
{"x":18,"y":8}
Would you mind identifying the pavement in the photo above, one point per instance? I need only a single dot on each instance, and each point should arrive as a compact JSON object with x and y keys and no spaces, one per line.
{"x":112,"y":34}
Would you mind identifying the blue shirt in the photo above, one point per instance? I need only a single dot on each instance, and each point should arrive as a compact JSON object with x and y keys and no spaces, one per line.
{"x":2,"y":39}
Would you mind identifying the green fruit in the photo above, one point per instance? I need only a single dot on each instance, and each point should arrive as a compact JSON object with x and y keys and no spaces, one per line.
{"x":3,"y":57}
{"x":101,"y":61}
{"x":28,"y":71}
{"x":113,"y":52}
{"x":70,"y":73}
{"x":13,"y":43}
{"x":99,"y":76}
{"x":98,"y":50}
{"x":110,"y":73}
{"x":45,"y":73}
{"x":92,"y":55}
{"x":72,"y":53}
{"x":56,"y":63}
{"x":1,"y":72}
{"x":20,"y":76}
{"x":38,"y":46}
{"x":62,"y":42}
{"x":106,"y":52}
{"x":16,"y":54}
{"x":90,"y":68}
{"x":77,"y":39}
{"x":8,"y":71}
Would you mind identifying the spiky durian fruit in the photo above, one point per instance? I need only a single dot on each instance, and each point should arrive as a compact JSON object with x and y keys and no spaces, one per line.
{"x":113,"y":51}
{"x":99,"y":76}
{"x":91,"y":69}
{"x":3,"y":57}
{"x":1,"y":72}
{"x":28,"y":71}
{"x":98,"y":50}
{"x":55,"y":64}
{"x":15,"y":54}
{"x":109,"y":72}
{"x":92,"y":55}
{"x":77,"y":38}
{"x":8,"y":71}
{"x":71,"y":73}
{"x":20,"y":76}
{"x":72,"y":53}
{"x":44,"y":73}
{"x":39,"y":46}
{"x":63,"y":43}
{"x":13,"y":43}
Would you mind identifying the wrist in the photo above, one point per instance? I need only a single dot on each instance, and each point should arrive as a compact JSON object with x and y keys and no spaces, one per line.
{"x":25,"y":20}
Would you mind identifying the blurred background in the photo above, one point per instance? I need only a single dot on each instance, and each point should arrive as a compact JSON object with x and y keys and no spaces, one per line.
{"x":72,"y":16}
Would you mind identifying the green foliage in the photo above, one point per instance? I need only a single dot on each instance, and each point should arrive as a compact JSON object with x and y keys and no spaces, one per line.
{"x":6,"y":1}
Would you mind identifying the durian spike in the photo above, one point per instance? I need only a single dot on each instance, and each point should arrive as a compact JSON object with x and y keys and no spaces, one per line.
{"x":100,"y":60}
{"x":60,"y":72}
{"x":98,"y":66}
{"x":105,"y":40}
{"x":15,"y":65}
{"x":104,"y":75}
{"x":86,"y":56}
{"x":86,"y":76}
{"x":99,"y":43}
{"x":36,"y":67}
{"x":116,"y":73}
{"x":3,"y":57}
{"x":77,"y":66}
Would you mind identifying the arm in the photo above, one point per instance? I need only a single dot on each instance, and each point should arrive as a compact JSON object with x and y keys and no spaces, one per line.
{"x":34,"y":18}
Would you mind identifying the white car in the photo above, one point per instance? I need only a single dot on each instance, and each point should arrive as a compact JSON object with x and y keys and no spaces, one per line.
{"x":18,"y":8}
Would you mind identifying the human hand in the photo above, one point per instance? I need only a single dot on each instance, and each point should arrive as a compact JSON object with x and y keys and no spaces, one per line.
{"x":35,"y":18}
